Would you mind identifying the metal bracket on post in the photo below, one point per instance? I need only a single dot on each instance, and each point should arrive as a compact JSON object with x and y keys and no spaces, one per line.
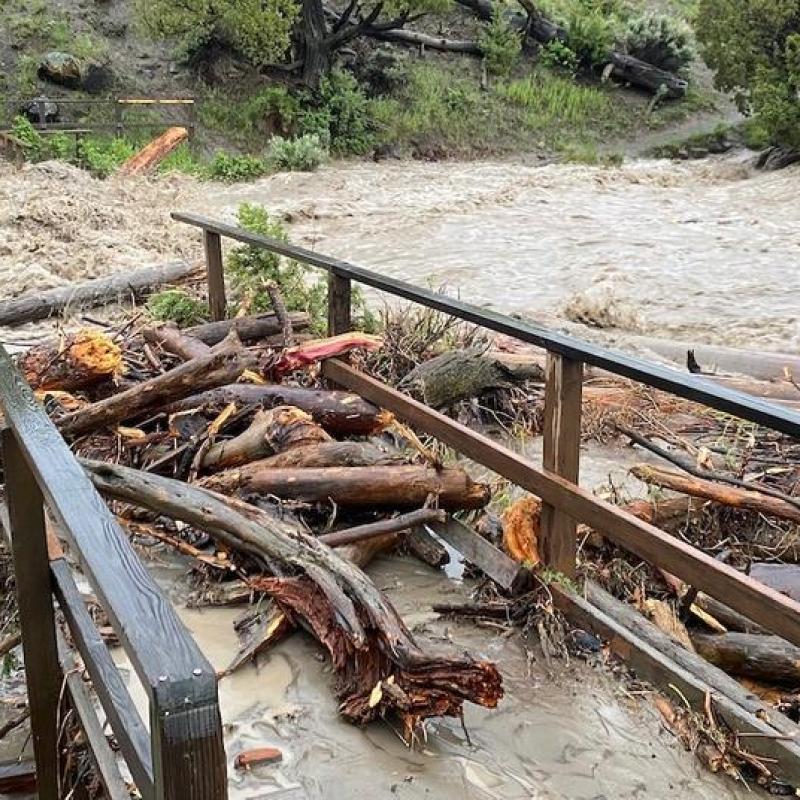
{"x":562,"y":440}
{"x":35,"y":602}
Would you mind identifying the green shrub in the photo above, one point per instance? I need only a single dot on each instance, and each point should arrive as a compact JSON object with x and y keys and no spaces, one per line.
{"x":659,"y":39}
{"x":501,"y":45}
{"x":33,"y":144}
{"x":182,"y":159}
{"x":591,"y":32}
{"x":231,"y":168}
{"x":304,"y":153}
{"x":557,"y":55}
{"x":102,"y":157}
{"x":177,"y":306}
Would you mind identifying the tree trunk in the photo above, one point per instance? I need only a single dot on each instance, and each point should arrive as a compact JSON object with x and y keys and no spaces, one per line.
{"x":123,"y":284}
{"x":379,"y":665}
{"x":149,"y":157}
{"x":80,"y":360}
{"x":732,"y":496}
{"x":248,"y":329}
{"x":316,"y":55}
{"x":356,"y":487}
{"x":175,"y":341}
{"x":335,"y":454}
{"x":339,"y":413}
{"x":730,"y":619}
{"x":432,"y":42}
{"x":210,"y":370}
{"x":767,"y":658}
{"x":646,"y":76}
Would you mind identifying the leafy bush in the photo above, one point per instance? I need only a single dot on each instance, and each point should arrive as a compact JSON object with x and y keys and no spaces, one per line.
{"x":591,"y":31}
{"x":659,"y":39}
{"x":755,"y":50}
{"x":33,"y":144}
{"x":177,"y":306}
{"x":501,"y":45}
{"x":557,"y":55}
{"x":231,"y":168}
{"x":182,"y":159}
{"x":303,"y":154}
{"x":102,"y":157}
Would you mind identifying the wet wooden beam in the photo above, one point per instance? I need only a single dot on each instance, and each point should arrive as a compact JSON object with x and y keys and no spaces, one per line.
{"x":215,"y":271}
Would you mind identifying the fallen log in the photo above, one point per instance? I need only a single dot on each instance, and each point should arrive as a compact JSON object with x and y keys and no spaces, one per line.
{"x":248,"y":759}
{"x":248,"y":329}
{"x":339,"y":413}
{"x":356,"y":487}
{"x":727,"y":617}
{"x":379,"y":665}
{"x":418,"y":39}
{"x":176,"y":341}
{"x":80,"y":360}
{"x":732,"y":496}
{"x":150,"y":156}
{"x":421,"y":544}
{"x":123,"y":284}
{"x":308,"y":353}
{"x":638,"y":73}
{"x":768,"y":658}
{"x":334,"y":454}
{"x":212,"y":369}
{"x":402,"y":522}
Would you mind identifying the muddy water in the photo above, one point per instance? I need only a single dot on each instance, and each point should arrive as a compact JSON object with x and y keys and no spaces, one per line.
{"x":705,"y":251}
{"x":562,"y":730}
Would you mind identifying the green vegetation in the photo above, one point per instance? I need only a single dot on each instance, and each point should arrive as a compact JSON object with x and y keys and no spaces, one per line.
{"x":559,"y":56}
{"x":661,"y":40}
{"x":303,"y":154}
{"x":500,"y":44}
{"x":177,"y":306}
{"x":755,"y":49}
{"x":231,"y":168}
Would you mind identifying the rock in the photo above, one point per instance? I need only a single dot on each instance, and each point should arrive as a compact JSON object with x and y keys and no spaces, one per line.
{"x":61,"y":68}
{"x":698,"y":152}
{"x":34,"y":110}
{"x":720,"y":146}
{"x":97,"y":78}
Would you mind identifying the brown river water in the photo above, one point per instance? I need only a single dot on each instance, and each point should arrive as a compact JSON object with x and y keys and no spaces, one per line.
{"x":703,"y":251}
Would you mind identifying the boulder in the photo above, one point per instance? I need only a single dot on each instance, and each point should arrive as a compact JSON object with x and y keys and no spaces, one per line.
{"x":40,"y":110}
{"x":97,"y":78}
{"x":61,"y":68}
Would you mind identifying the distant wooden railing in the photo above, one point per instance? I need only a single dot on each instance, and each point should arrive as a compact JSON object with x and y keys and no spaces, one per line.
{"x":182,"y":755}
{"x":565,"y":502}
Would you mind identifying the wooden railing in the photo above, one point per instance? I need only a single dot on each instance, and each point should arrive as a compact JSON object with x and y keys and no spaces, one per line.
{"x":556,"y":482}
{"x":182,"y":755}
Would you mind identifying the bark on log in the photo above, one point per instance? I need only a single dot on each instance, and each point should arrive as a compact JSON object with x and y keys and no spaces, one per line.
{"x":339,"y":413}
{"x":426,"y":548}
{"x":175,"y":341}
{"x":308,"y":353}
{"x":732,"y":620}
{"x":401,"y":522}
{"x":462,"y":374}
{"x":124,"y":284}
{"x":768,"y":658}
{"x":380,"y":666}
{"x":210,"y":370}
{"x":631,"y":70}
{"x":82,"y":359}
{"x":334,"y":454}
{"x":426,"y":40}
{"x":732,"y":496}
{"x":150,"y":156}
{"x":356,"y":487}
{"x":248,"y":329}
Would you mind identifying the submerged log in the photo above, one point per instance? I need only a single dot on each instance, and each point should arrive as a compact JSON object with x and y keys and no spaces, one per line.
{"x":81,"y":360}
{"x":768,"y":658}
{"x":462,"y":374}
{"x":122,"y":284}
{"x":248,"y":329}
{"x":357,"y":487}
{"x":733,"y":496}
{"x":379,"y":665}
{"x":339,"y":413}
{"x":212,"y":369}
{"x":150,"y":156}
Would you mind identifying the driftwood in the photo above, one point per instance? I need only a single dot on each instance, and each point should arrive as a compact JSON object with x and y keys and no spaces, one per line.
{"x":123,"y":284}
{"x":335,"y":454}
{"x":733,"y":496}
{"x":212,"y":369}
{"x":379,"y":665}
{"x":406,"y":486}
{"x":175,"y":341}
{"x":248,"y":329}
{"x":338,"y":412}
{"x":727,"y":617}
{"x":150,"y":156}
{"x":768,"y":658}
{"x":402,"y":522}
{"x":461,"y":374}
{"x":78,"y":361}
{"x":418,"y":39}
{"x":426,"y":548}
{"x":304,"y":355}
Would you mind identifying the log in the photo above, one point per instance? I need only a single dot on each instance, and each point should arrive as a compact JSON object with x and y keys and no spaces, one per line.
{"x":405,"y":486}
{"x":304,"y":355}
{"x":150,"y":156}
{"x":380,"y":667}
{"x":334,"y":454}
{"x":339,"y":413}
{"x":248,"y":329}
{"x":730,"y":619}
{"x":767,"y":658}
{"x":123,"y":284}
{"x":401,"y":522}
{"x":210,"y":370}
{"x":248,"y":759}
{"x":417,"y":39}
{"x":462,"y":374}
{"x":645,"y":76}
{"x":175,"y":341}
{"x":424,"y":546}
{"x":732,"y":496}
{"x":79,"y":361}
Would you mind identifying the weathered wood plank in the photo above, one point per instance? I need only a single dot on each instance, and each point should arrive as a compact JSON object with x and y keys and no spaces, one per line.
{"x":339,"y":304}
{"x":769,"y":608}
{"x":561,"y":455}
{"x":35,"y":603}
{"x":215,"y":271}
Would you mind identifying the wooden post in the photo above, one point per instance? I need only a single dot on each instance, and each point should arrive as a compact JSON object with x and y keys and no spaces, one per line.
{"x":188,"y":750}
{"x":339,"y":304}
{"x":562,"y":440}
{"x":216,"y":275}
{"x":35,"y":602}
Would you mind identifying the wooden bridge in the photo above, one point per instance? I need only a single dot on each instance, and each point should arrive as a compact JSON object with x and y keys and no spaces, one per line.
{"x":182,"y":755}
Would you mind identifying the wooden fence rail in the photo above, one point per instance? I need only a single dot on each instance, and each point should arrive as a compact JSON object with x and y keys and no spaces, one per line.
{"x":183,"y":754}
{"x":565,"y":503}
